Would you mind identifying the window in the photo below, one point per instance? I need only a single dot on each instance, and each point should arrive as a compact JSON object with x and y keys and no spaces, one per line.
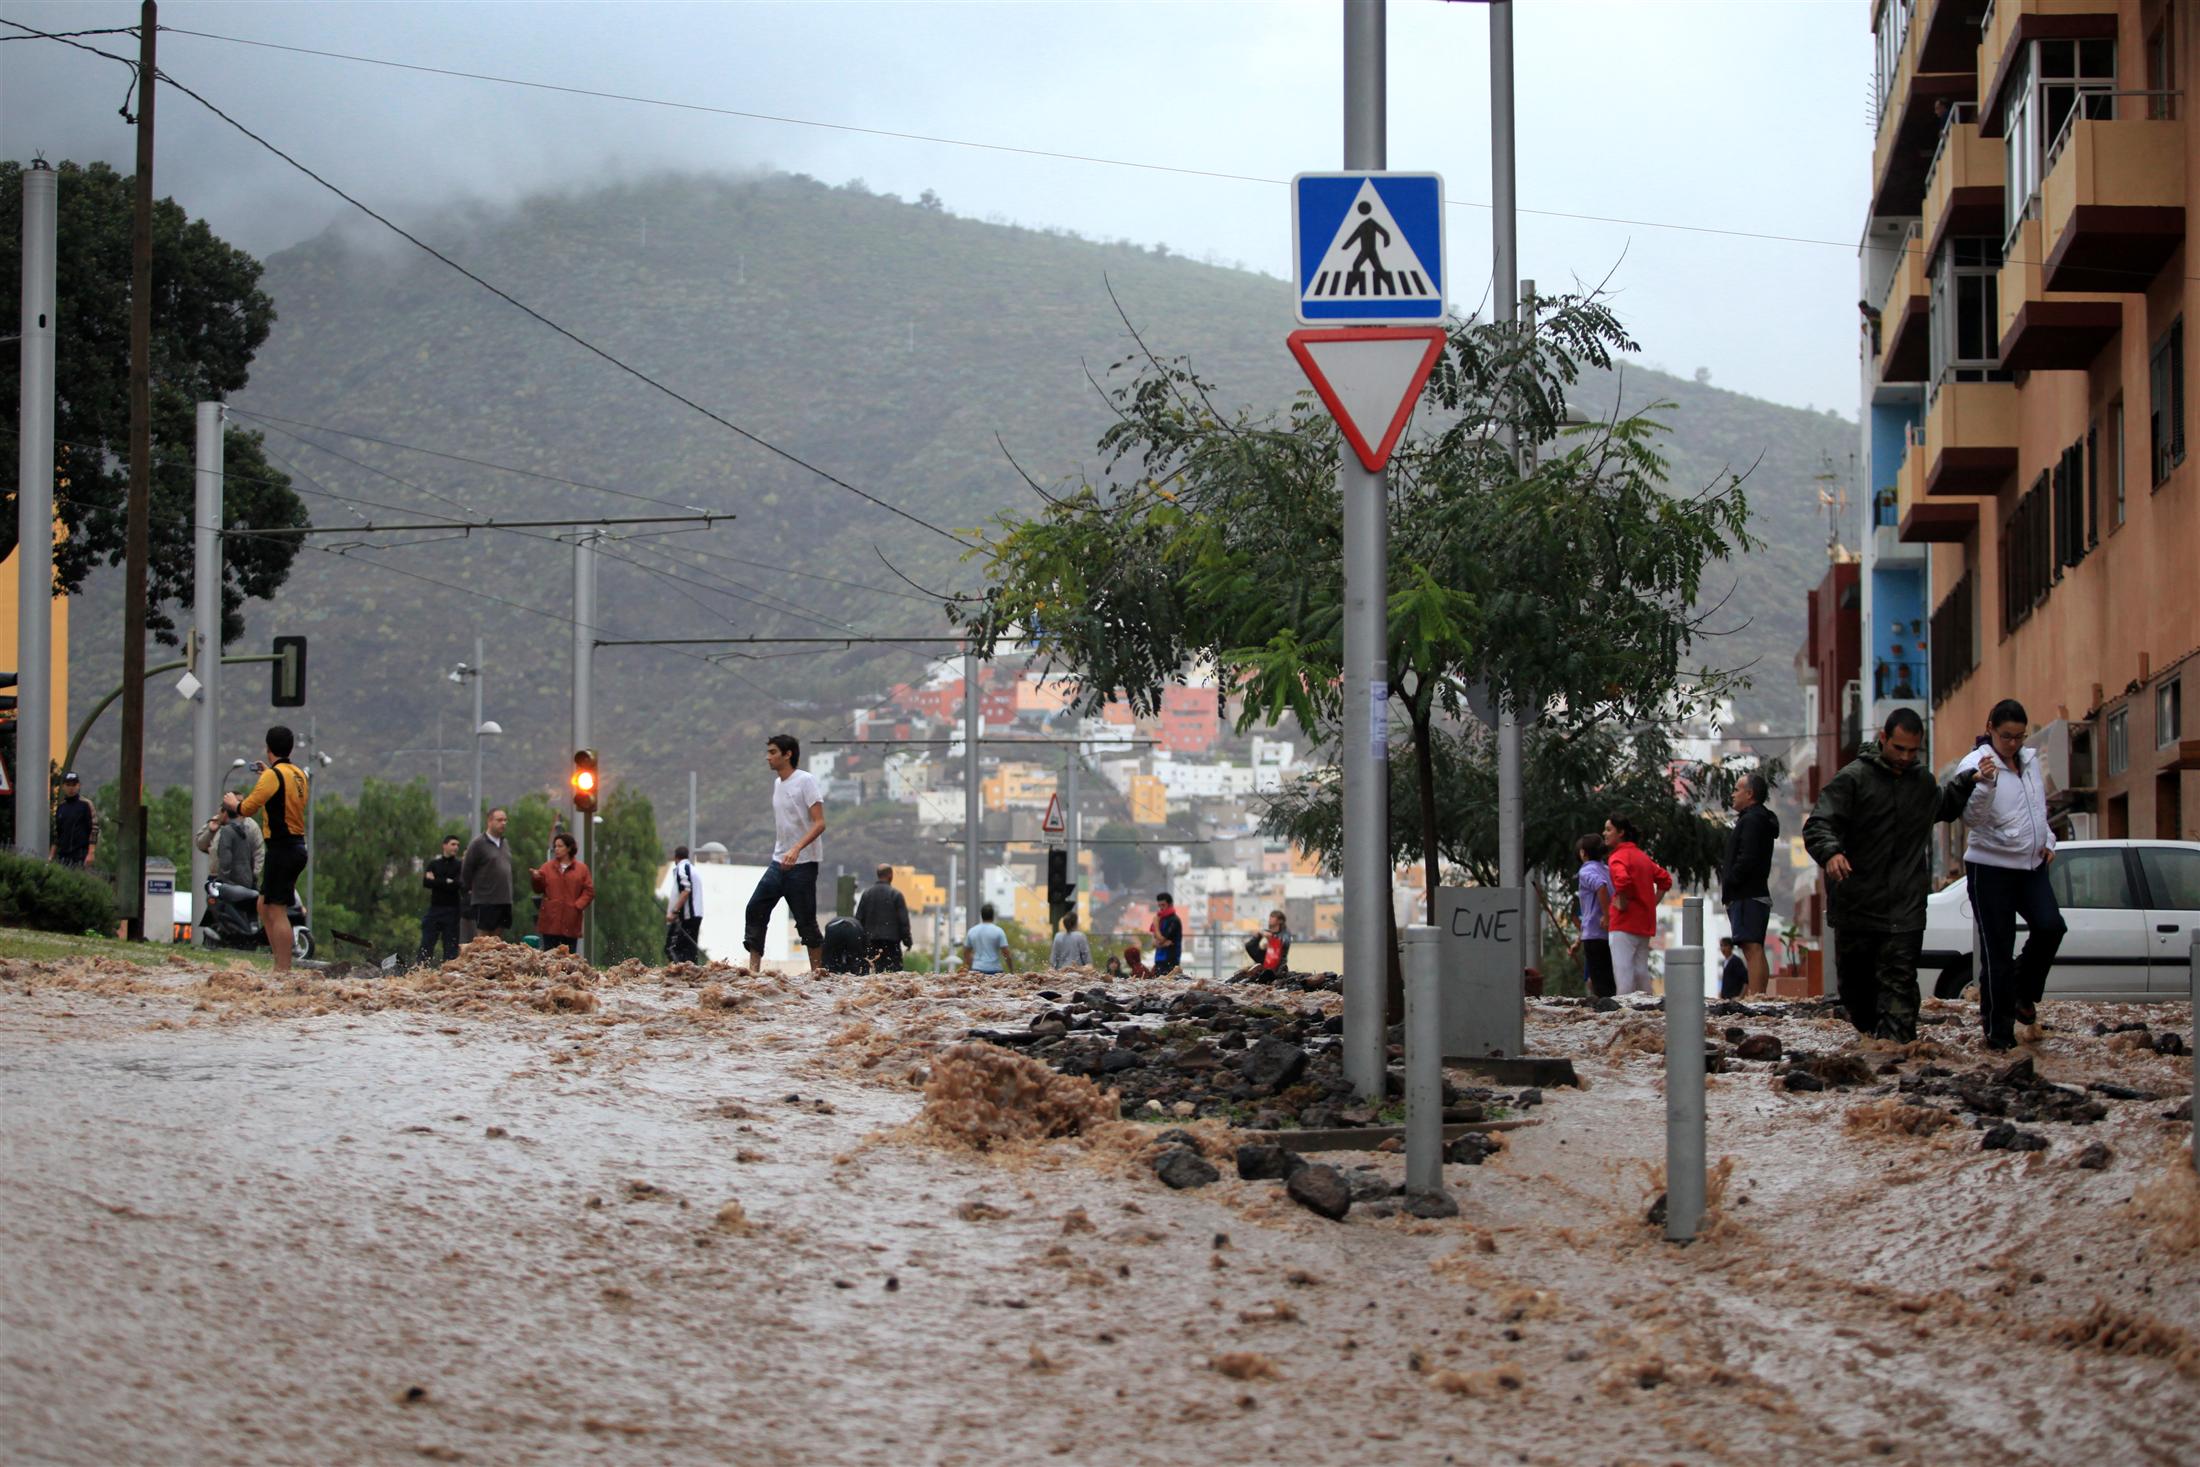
{"x":2162,"y":67}
{"x":1954,"y":640}
{"x":2119,"y":742}
{"x":2069,"y":479}
{"x":2169,"y":712}
{"x":2081,"y":757}
{"x":2028,"y":568}
{"x":2092,"y":488}
{"x":2054,"y":76}
{"x":2166,"y":402}
{"x":2092,"y":880}
{"x":1966,"y":322}
{"x":2173,"y":878}
{"x":1891,"y":27}
{"x":2115,"y":423}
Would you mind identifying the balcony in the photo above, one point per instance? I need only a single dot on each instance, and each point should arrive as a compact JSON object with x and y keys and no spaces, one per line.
{"x":2112,"y":204}
{"x":1963,"y":186}
{"x":1905,"y":317}
{"x":2043,"y":331}
{"x":1919,"y":518}
{"x":1970,"y":438}
{"x":2012,"y":24}
{"x":1909,"y":130}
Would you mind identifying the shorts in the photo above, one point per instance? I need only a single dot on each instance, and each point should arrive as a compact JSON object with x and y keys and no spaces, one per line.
{"x":279,"y":873}
{"x":492,"y":917}
{"x":1749,"y":918}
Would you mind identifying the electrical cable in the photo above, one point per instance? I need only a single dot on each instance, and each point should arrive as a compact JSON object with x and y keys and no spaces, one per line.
{"x":573,"y":336}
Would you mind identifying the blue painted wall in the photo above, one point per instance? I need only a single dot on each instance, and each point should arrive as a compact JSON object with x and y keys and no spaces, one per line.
{"x":1889,"y":420}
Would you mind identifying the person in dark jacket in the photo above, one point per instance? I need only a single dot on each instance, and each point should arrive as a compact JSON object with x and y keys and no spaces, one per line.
{"x":1745,"y":876}
{"x":1871,"y":830}
{"x":75,"y":826}
{"x":1167,"y":928}
{"x":1733,"y":972}
{"x":440,"y":921}
{"x":884,"y":913}
{"x":486,"y":873}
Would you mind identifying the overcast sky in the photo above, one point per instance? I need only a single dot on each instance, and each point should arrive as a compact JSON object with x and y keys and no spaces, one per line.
{"x":1746,"y":116}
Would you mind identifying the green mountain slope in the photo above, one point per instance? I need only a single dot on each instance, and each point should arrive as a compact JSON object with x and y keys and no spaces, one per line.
{"x":888,"y":342}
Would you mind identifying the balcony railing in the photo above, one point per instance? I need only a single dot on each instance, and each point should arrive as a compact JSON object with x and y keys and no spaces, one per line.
{"x":1920,"y":518}
{"x":1963,"y":186}
{"x":1970,"y":443}
{"x":2044,"y":329}
{"x":2112,"y":193}
{"x":1905,"y":678}
{"x":1905,"y":317}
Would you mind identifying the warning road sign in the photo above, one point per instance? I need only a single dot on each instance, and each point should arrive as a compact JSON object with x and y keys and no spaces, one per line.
{"x":1370,"y":378}
{"x":1054,"y":823}
{"x":1368,"y":247}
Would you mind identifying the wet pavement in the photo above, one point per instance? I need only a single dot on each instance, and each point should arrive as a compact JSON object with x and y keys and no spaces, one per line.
{"x":461,"y":1219}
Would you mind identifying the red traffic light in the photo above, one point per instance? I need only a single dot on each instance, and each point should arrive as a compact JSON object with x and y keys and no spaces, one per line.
{"x":584,"y":780}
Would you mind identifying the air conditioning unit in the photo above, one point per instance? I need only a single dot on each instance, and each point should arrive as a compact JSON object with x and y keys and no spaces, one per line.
{"x":2065,"y":753}
{"x":2084,"y":825}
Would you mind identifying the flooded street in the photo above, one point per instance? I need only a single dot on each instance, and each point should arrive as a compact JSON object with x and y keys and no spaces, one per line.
{"x":483,"y":1217}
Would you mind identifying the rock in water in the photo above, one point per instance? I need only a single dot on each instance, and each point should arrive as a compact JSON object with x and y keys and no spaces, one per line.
{"x":1758,"y":1047}
{"x":1274,"y":1064}
{"x":1804,"y":1080}
{"x":2019,"y":1073}
{"x":2006,"y":1137}
{"x":1433,"y":1202}
{"x":1321,"y":1189}
{"x":1472,"y":1149}
{"x":1181,"y":1167}
{"x":2093,"y":1158}
{"x":1263,"y":1163}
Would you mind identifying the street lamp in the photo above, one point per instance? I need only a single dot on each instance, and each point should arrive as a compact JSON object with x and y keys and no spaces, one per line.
{"x":315,"y":763}
{"x":483,"y":729}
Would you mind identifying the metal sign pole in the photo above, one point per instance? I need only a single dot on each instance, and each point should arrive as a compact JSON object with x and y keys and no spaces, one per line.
{"x":1364,"y":498}
{"x":1684,"y":1093}
{"x":34,"y":520}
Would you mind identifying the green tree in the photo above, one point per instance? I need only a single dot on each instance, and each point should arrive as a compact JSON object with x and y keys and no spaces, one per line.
{"x":168,"y":829}
{"x":1217,"y":541}
{"x":209,"y":318}
{"x":630,"y":922}
{"x":367,"y":860}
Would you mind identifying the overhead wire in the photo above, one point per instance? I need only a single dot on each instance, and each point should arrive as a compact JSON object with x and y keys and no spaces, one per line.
{"x":517,"y":304}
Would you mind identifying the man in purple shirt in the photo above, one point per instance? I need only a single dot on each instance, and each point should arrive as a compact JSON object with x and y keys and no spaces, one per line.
{"x":1594,"y":883}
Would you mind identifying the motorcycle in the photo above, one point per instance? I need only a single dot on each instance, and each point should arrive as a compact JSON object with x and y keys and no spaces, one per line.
{"x":232,"y":920}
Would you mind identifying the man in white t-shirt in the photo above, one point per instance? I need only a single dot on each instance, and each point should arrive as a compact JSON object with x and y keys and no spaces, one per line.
{"x":684,"y":916}
{"x":798,"y":822}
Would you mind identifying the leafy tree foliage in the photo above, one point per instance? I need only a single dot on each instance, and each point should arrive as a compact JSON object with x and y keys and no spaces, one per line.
{"x":370,"y":856}
{"x":630,"y":923}
{"x":1216,"y":541}
{"x":209,"y":318}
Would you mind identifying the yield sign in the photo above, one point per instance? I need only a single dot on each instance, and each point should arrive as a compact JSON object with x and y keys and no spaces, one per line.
{"x":1054,"y":824}
{"x":1369,"y":378}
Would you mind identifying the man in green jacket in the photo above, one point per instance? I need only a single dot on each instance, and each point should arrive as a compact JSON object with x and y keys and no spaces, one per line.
{"x":1872,"y":832}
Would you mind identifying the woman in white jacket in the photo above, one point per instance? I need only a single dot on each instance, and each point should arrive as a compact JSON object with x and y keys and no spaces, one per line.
{"x":2008,"y":848}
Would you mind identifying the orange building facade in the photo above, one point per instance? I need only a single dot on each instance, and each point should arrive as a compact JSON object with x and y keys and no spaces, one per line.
{"x":2025,"y":360}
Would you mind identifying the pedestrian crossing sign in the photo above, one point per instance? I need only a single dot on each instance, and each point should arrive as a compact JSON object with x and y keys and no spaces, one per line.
{"x":1368,"y":248}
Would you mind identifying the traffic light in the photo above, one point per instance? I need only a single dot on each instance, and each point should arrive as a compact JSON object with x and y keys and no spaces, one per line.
{"x":289,"y":686}
{"x":1061,"y":891}
{"x":584,"y":781}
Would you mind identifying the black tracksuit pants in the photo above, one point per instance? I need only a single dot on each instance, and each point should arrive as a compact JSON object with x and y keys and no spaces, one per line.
{"x":1999,"y":895}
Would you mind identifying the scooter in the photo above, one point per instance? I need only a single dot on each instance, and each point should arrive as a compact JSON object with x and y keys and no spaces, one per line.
{"x":233,"y":920}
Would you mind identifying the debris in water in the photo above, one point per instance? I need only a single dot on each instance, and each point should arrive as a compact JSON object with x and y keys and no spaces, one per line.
{"x":981,"y":1096}
{"x":1245,"y":1365}
{"x":733,"y":1219}
{"x":1497,"y":1381}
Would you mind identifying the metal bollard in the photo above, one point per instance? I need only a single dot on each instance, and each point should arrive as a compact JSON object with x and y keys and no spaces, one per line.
{"x":1684,"y":1093}
{"x":1424,"y":1035}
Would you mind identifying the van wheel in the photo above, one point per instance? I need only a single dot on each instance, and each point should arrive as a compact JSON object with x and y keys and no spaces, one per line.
{"x":1953,"y":980}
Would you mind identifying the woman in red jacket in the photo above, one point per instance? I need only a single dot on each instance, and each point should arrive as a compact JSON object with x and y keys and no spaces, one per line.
{"x":566,"y":889}
{"x":1637,"y":885}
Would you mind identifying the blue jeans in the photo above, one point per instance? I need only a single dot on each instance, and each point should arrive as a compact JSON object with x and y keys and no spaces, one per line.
{"x":798,"y":885}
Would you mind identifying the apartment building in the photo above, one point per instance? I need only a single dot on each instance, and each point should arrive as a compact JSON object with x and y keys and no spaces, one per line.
{"x":2033,"y":525}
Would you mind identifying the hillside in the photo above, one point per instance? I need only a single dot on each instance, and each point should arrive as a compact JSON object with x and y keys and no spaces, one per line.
{"x":887,"y":341}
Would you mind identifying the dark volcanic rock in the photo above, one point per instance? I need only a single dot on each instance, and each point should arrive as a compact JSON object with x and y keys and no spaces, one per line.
{"x":1274,"y":1064}
{"x":2006,"y":1137}
{"x":1263,"y":1163}
{"x":1433,"y":1202}
{"x":1528,"y":1099}
{"x":2094,"y":1157}
{"x":1321,"y":1189}
{"x":1367,"y":1187}
{"x":1803,"y":1080}
{"x":2019,"y":1073}
{"x":1115,"y":1061}
{"x":1472,"y":1149}
{"x":1758,"y":1047}
{"x":1181,"y":1167}
{"x":2169,"y":1043}
{"x":2120,"y":1092}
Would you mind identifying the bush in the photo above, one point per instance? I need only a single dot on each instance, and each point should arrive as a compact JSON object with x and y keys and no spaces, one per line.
{"x":52,"y":898}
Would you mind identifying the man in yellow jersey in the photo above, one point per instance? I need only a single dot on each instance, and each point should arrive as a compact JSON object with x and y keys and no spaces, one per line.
{"x":279,"y":800}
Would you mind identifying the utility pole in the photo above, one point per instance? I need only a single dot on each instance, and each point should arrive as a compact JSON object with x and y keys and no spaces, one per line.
{"x":473,"y":817}
{"x":1505,"y":270}
{"x":1069,"y":816}
{"x":971,"y":809}
{"x":691,"y":812}
{"x":206,"y":632}
{"x":1365,"y":500}
{"x":130,"y":868}
{"x":584,"y":661}
{"x":34,"y":522}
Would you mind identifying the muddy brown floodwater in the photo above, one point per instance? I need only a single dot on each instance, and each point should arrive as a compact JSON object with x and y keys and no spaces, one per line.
{"x":513,"y":1212}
